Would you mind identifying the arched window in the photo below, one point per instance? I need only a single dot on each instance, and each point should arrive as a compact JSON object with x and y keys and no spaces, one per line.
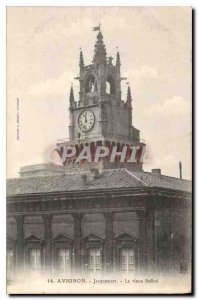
{"x":110,"y":85}
{"x":91,"y":84}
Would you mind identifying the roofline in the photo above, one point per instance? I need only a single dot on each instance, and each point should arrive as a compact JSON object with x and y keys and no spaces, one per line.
{"x":85,"y":172}
{"x":143,"y":189}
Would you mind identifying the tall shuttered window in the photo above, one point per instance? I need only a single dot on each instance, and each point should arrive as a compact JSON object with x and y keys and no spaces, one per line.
{"x":35,"y":259}
{"x":95,"y":260}
{"x":127,"y":260}
{"x":64,"y":260}
{"x":10,"y":262}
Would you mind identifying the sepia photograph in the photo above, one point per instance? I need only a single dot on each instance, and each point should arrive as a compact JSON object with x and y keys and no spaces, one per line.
{"x":99,"y":150}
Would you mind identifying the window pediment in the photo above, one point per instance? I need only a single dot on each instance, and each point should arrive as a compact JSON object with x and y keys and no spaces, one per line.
{"x":126,"y":237}
{"x":34,"y":239}
{"x":93,"y":240}
{"x":62,"y":238}
{"x":93,"y":237}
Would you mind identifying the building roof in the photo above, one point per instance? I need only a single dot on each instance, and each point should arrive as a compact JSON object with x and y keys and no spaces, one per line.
{"x":105,"y":179}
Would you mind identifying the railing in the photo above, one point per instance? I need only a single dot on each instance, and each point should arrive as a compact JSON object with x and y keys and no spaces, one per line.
{"x":98,"y":136}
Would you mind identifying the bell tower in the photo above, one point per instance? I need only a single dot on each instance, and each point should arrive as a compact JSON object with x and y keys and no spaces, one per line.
{"x":100,"y":115}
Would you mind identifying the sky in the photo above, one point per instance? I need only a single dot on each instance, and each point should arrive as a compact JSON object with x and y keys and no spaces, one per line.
{"x":43,"y":58}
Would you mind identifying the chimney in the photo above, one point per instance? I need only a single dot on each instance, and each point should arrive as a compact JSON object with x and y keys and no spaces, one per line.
{"x":84,"y":178}
{"x":180,"y":169}
{"x":94,"y":173}
{"x":156,"y":172}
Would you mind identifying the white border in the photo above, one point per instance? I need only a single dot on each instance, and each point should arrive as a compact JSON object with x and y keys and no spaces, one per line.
{"x":3,"y":4}
{"x":3,"y":148}
{"x":100,"y":3}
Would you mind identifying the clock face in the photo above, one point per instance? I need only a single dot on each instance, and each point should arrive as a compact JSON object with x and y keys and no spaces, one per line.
{"x":86,"y":120}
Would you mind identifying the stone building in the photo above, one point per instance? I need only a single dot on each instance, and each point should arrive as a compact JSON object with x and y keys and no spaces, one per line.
{"x":98,"y":217}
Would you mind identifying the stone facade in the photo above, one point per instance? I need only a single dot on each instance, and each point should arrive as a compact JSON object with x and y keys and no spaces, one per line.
{"x":154,"y":223}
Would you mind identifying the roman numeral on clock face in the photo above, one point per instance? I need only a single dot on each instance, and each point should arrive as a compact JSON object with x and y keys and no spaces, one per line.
{"x":86,"y":120}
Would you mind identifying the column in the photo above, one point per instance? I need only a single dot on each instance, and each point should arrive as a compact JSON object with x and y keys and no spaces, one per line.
{"x":20,"y":243}
{"x":143,"y":255}
{"x":163,"y":240}
{"x":47,"y":242}
{"x":109,"y":241}
{"x":171,"y":258}
{"x":77,"y":217}
{"x":151,"y":240}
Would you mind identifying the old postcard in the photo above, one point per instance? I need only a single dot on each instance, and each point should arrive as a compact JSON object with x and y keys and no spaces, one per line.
{"x":99,"y":196}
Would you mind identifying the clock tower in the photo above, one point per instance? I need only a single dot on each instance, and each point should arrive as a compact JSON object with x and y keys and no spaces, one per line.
{"x":100,"y":116}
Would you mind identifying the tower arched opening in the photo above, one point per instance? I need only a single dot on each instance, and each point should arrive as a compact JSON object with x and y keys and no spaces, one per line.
{"x":110,"y":85}
{"x":91,"y":84}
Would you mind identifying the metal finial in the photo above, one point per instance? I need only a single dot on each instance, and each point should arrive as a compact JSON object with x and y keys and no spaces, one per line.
{"x":180,"y":169}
